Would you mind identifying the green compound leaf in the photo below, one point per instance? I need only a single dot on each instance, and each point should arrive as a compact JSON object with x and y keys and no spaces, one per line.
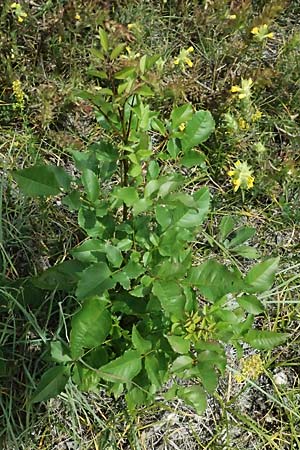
{"x":265,"y":340}
{"x":90,"y":326}
{"x":261,"y":276}
{"x":193,"y":396}
{"x":51,"y":384}
{"x":94,"y":281}
{"x":122,"y":369}
{"x":198,"y":129}
{"x":41,"y":180}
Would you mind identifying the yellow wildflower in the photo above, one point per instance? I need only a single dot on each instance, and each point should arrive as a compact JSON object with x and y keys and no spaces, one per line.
{"x":183,"y":58}
{"x":251,"y":367}
{"x":18,"y":12}
{"x":261,"y":32}
{"x":244,"y":90}
{"x":256,"y":116}
{"x":243,"y":125}
{"x":134,"y":27}
{"x":19,"y":94}
{"x":77,"y":16}
{"x":230,"y":16}
{"x":182,"y":126}
{"x":241,"y":176}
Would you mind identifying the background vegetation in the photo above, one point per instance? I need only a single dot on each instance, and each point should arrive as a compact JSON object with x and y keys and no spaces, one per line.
{"x":46,"y":57}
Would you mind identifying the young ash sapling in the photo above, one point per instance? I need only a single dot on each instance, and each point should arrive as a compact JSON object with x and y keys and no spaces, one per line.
{"x":146,"y":311}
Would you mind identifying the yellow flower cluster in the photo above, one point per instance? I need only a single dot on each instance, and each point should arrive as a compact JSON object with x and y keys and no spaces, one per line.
{"x":77,"y":17}
{"x":183,"y":58}
{"x":262,"y":32}
{"x":251,"y":367}
{"x":243,"y":125}
{"x":182,"y":126}
{"x":18,"y":11}
{"x":241,"y":176}
{"x":19,"y":94}
{"x":256,"y":116}
{"x":198,"y":327}
{"x":243,"y":91}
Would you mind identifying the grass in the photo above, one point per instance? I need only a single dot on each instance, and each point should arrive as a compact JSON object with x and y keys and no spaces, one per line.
{"x":50,"y":53}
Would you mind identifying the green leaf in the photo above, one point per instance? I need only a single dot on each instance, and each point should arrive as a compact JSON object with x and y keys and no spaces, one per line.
{"x":142,"y":345}
{"x":51,"y":384}
{"x":125,"y":73}
{"x":208,"y":377}
{"x":214,"y":280}
{"x":122,"y":369}
{"x":90,"y":326}
{"x":113,"y":255}
{"x":261,"y":276}
{"x":97,"y":73}
{"x":163,"y":216}
{"x":179,"y":344}
{"x":128,"y":195}
{"x":242,"y":235}
{"x":246,"y":252}
{"x":181,"y":114}
{"x":39,"y":181}
{"x":174,"y":147}
{"x":103,"y":39}
{"x":59,"y":352}
{"x":98,"y":54}
{"x":167,"y":187}
{"x":94,"y":281}
{"x":104,"y":151}
{"x":170,"y":296}
{"x":193,"y":158}
{"x":63,"y":276}
{"x":181,"y":363}
{"x":193,"y":219}
{"x":142,"y":205}
{"x":226,"y":227}
{"x":265,"y":340}
{"x":145,"y":91}
{"x":198,"y":129}
{"x":122,"y":279}
{"x":87,"y":251}
{"x":91,"y":185}
{"x":117,"y":51}
{"x":202,"y":198}
{"x":156,"y":369}
{"x":72,"y":200}
{"x":251,"y":304}
{"x":158,"y":125}
{"x":194,"y":396}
